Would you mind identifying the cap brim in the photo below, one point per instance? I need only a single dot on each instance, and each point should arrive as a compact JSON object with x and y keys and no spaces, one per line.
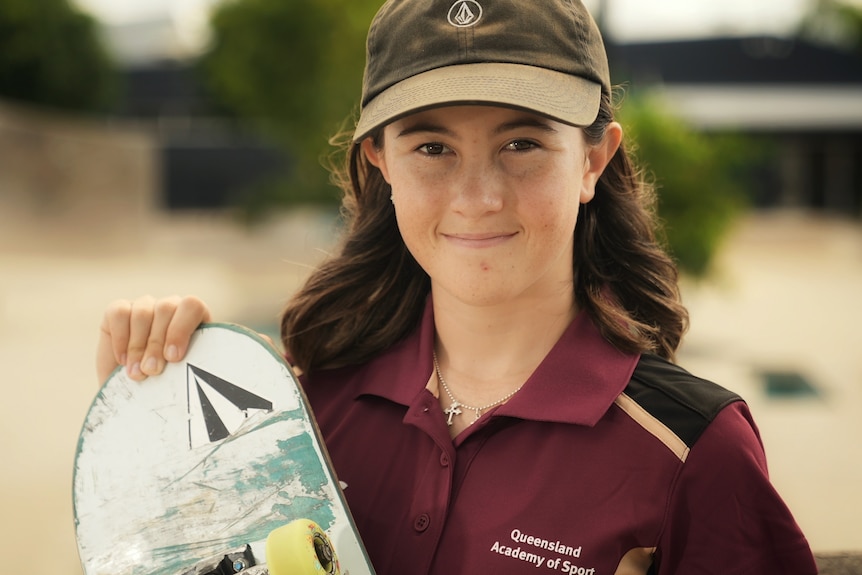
{"x":564,"y":97}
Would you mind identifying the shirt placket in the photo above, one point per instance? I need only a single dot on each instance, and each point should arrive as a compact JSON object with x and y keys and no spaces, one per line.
{"x":429,"y":508}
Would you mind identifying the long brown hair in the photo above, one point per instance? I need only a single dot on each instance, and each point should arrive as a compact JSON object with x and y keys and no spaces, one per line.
{"x":371,"y":293}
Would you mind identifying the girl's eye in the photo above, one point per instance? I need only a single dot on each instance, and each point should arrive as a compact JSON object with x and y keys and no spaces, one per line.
{"x":432,"y":149}
{"x":520,"y":145}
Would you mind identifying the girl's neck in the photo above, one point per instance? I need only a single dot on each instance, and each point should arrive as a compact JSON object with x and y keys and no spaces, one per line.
{"x":498,"y":345}
{"x":486,"y":353}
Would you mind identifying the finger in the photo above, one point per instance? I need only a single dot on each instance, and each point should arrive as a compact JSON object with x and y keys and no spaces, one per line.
{"x":113,"y":339}
{"x":153,"y":360}
{"x":140,"y":323}
{"x":189,"y":314}
{"x":116,"y":325}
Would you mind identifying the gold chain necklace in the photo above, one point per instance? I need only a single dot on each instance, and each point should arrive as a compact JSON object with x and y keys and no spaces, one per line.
{"x":455,"y":405}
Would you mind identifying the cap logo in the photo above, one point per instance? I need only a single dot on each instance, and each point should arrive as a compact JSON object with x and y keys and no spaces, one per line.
{"x":465,"y":13}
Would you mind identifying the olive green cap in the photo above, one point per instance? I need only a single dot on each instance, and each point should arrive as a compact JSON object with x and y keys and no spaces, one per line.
{"x":546,"y":56}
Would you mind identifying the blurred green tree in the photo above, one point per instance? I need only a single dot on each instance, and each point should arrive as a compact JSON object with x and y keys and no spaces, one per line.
{"x":295,"y":68}
{"x":838,"y":22}
{"x":702,"y":180}
{"x":51,"y":54}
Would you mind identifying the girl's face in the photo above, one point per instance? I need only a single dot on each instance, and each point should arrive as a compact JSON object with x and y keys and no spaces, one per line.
{"x":486,"y":198}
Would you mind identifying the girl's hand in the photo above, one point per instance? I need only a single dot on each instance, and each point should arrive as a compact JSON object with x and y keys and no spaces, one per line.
{"x":144,"y":334}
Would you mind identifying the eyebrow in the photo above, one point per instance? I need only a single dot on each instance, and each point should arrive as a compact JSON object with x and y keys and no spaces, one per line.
{"x":422,"y":127}
{"x":425,"y":126}
{"x":526,"y":122}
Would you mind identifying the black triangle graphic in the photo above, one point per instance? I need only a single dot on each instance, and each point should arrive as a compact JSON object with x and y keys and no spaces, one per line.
{"x":241,"y":398}
{"x":215,"y":426}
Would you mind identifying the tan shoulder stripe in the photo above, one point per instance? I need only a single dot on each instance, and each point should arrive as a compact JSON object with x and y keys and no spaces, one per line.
{"x":653,"y":426}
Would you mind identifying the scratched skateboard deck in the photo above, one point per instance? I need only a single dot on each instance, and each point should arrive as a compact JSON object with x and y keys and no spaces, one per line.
{"x":189,"y":471}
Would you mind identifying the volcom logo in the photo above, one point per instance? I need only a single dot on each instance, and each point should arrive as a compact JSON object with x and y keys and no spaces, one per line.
{"x":465,"y":13}
{"x":217,"y":408}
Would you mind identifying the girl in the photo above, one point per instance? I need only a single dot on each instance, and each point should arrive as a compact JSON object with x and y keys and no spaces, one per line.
{"x":489,"y":353}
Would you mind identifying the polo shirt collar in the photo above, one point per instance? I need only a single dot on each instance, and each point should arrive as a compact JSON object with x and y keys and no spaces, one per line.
{"x":576,"y":383}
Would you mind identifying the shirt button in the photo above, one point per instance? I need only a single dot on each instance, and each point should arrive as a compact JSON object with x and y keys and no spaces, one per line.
{"x":422,"y":523}
{"x":444,"y":460}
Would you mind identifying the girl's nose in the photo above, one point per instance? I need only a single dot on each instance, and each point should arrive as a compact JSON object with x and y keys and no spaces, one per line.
{"x":478,"y":189}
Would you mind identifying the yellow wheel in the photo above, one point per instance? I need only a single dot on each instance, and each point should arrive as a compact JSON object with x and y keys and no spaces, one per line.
{"x":300,"y":548}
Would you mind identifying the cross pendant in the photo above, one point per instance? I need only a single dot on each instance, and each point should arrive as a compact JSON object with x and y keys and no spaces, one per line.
{"x":452,"y":411}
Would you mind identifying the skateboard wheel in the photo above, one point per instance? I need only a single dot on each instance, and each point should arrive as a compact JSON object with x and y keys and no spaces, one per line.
{"x":300,"y":548}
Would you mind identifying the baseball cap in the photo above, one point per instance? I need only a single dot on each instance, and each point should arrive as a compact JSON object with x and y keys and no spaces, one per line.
{"x":546,"y":56}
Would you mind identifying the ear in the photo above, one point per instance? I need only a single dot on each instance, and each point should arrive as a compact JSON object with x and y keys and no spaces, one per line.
{"x":598,"y":158}
{"x":375,"y":156}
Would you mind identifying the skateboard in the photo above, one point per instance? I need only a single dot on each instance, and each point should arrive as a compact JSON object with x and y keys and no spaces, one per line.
{"x":214,"y":467}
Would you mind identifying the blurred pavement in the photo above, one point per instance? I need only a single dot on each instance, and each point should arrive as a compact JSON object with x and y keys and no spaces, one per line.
{"x":785,"y":297}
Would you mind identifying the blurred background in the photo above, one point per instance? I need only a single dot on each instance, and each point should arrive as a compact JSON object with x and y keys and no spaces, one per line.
{"x":178,"y":146}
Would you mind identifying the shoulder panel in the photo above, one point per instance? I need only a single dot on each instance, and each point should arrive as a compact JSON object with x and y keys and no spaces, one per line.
{"x":671,"y":403}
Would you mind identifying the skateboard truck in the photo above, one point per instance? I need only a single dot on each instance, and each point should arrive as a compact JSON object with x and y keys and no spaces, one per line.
{"x":240,"y":560}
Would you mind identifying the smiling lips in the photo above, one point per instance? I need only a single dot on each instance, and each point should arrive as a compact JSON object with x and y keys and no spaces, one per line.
{"x":479,"y":239}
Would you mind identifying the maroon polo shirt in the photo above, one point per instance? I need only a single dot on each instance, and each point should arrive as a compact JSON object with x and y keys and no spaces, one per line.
{"x":604,"y":463}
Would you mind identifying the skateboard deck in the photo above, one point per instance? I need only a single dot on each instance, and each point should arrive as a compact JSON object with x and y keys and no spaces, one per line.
{"x":189,"y":472}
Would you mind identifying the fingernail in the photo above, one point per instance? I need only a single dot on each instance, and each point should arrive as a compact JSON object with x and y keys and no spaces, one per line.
{"x":150,"y":365}
{"x":172,"y":353}
{"x":135,"y":370}
{"x":123,"y":359}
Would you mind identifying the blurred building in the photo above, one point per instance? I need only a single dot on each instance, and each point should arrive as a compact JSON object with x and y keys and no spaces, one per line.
{"x":206,"y":158}
{"x":804,"y":98}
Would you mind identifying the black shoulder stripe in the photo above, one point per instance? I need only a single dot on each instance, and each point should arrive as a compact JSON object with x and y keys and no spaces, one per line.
{"x":683,"y":403}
